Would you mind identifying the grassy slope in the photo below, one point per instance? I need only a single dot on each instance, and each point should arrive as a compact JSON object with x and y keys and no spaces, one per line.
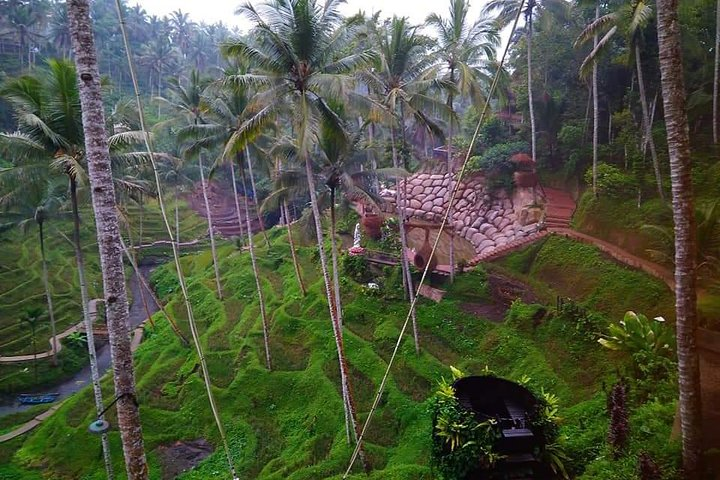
{"x":582,"y":272}
{"x":21,"y":287}
{"x":288,"y":423}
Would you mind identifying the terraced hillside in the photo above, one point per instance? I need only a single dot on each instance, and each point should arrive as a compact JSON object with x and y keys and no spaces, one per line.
{"x":287,"y":424}
{"x":20,"y":273}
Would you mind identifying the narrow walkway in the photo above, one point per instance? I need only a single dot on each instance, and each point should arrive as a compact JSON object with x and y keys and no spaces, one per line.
{"x":78,"y":327}
{"x":38,"y":419}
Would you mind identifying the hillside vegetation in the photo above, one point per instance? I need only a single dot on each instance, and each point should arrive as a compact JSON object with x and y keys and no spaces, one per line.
{"x":288,"y":423}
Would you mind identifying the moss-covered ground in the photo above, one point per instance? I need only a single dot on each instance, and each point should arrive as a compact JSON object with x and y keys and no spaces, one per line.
{"x":288,"y":423}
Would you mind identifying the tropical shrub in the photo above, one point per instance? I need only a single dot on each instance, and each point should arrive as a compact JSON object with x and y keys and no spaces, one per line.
{"x":356,"y":267}
{"x":586,"y":324}
{"x":461,"y":443}
{"x":390,"y":238}
{"x":496,"y":159}
{"x":635,"y":333}
{"x":612,"y":181}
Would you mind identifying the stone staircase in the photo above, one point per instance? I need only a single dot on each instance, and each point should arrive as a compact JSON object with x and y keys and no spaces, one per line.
{"x":559,"y":210}
{"x":560,"y":207}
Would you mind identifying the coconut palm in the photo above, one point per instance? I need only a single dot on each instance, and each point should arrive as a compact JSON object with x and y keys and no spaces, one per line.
{"x":629,"y":19}
{"x":675,"y":107}
{"x":401,"y":79}
{"x":462,"y":46}
{"x":507,"y":10}
{"x":188,"y":105}
{"x":226,"y":117}
{"x":108,"y":233}
{"x":50,"y":137}
{"x":296,"y":49}
{"x":34,"y":202}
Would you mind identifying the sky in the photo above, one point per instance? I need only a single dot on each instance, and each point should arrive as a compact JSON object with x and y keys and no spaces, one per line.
{"x":212,"y":11}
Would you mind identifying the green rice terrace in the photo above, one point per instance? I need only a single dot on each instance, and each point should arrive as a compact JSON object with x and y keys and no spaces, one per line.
{"x":359,"y":240}
{"x":275,"y":434}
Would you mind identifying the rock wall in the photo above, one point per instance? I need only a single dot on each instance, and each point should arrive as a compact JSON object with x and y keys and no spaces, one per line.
{"x":487,"y":220}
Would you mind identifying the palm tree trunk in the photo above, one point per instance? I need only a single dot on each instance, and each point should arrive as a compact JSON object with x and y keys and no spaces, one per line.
{"x":334,"y":306}
{"x":108,"y":233}
{"x":400,"y":200}
{"x":334,"y":255}
{"x":676,"y":123}
{"x":261,"y":300}
{"x":210,"y":228}
{"x":177,"y":214}
{"x":596,"y":112}
{"x":716,"y":73}
{"x":296,"y":264}
{"x":142,"y":220}
{"x":48,"y":296}
{"x":450,"y":179}
{"x":237,"y":200}
{"x":84,"y":300}
{"x":529,"y":83}
{"x":255,"y":198}
{"x":647,"y":126}
{"x":373,"y":162}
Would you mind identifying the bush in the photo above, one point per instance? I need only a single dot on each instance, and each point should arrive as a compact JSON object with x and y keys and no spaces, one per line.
{"x":612,"y":181}
{"x":462,"y":444}
{"x":390,"y":239}
{"x":347,"y":223}
{"x":586,"y":324}
{"x":356,"y":267}
{"x":496,"y":159}
{"x":496,"y":165}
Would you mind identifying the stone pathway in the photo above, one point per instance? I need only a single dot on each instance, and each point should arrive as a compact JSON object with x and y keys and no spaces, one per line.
{"x":78,"y":327}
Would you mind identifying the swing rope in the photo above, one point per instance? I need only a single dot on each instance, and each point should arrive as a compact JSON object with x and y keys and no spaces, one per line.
{"x":455,"y":191}
{"x":176,"y":256}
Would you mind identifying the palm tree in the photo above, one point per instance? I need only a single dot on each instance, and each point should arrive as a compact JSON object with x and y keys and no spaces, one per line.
{"x":401,"y":78}
{"x":227,"y":114}
{"x":676,"y":123}
{"x":182,"y":28}
{"x":58,"y":33}
{"x":25,"y":20}
{"x":462,"y":46}
{"x":47,"y":110}
{"x":507,"y":11}
{"x":631,"y":18}
{"x":296,"y":50}
{"x":283,"y":192}
{"x":174,"y":170}
{"x":37,"y":202}
{"x":108,"y":233}
{"x":50,"y":136}
{"x":32,"y":316}
{"x":253,"y":259}
{"x":189,"y":106}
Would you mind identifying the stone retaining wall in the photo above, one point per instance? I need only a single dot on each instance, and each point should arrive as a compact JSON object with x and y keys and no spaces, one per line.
{"x":488,"y":221}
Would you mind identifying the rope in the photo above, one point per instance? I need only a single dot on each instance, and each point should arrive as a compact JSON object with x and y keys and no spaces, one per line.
{"x":176,"y":256}
{"x":456,"y":189}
